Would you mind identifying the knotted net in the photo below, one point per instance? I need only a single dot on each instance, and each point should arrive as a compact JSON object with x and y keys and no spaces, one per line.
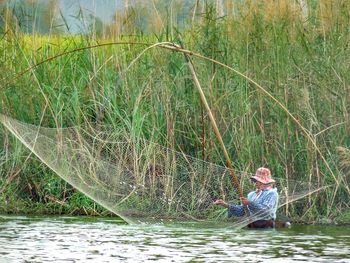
{"x":137,"y":179}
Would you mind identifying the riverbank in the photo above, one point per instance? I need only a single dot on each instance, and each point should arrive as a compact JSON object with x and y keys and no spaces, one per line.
{"x":29,"y":208}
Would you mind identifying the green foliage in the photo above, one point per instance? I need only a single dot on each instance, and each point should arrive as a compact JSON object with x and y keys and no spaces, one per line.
{"x":303,"y":64}
{"x":344,"y":217}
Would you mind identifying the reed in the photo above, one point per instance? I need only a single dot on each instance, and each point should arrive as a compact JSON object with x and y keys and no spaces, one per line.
{"x":303,"y":63}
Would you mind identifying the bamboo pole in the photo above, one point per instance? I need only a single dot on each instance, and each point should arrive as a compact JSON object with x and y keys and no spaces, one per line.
{"x":234,"y":177}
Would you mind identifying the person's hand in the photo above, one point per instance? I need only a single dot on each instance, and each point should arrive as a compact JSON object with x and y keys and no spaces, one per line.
{"x":221,"y":203}
{"x":245,"y":201}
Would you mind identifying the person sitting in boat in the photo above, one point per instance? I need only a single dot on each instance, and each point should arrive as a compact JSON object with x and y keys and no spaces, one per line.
{"x":261,"y":204}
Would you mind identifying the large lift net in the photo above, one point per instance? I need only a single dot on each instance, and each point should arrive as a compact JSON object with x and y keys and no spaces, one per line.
{"x":137,"y":179}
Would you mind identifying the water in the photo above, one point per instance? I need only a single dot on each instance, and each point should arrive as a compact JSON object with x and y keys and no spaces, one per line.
{"x":79,"y":239}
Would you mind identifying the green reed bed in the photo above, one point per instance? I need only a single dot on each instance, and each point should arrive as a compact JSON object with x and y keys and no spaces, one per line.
{"x":302,"y":63}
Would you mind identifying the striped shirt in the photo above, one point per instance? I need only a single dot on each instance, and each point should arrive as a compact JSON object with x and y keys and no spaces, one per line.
{"x":263,"y":204}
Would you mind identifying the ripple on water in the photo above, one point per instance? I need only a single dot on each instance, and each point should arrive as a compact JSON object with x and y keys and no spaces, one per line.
{"x":99,"y":240}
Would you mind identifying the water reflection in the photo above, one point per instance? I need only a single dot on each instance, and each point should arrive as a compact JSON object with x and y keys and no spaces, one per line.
{"x":71,"y":239}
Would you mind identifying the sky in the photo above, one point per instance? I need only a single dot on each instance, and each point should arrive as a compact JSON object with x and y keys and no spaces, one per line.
{"x":74,"y":16}
{"x":102,"y":9}
{"x":73,"y":11}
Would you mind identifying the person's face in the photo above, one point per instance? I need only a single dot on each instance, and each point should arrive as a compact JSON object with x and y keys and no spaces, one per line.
{"x":258,"y":185}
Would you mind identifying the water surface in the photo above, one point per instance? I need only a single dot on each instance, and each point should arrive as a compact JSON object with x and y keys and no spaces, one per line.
{"x":81,"y":239}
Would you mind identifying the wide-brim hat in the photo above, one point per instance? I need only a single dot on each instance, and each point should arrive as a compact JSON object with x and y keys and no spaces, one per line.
{"x":263,"y":175}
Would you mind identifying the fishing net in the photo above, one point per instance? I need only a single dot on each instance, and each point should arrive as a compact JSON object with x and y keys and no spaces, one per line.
{"x":137,"y":179}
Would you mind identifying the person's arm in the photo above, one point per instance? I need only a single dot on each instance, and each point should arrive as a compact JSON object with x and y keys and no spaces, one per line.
{"x":233,"y":210}
{"x":221,"y":203}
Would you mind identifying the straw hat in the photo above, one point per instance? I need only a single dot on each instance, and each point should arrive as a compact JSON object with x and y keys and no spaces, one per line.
{"x":263,"y":175}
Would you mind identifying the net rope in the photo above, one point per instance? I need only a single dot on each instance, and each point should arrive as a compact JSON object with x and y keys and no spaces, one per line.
{"x":137,"y":179}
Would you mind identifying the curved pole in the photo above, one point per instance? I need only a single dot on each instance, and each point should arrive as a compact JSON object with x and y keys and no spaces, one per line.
{"x":284,"y":108}
{"x":174,"y":47}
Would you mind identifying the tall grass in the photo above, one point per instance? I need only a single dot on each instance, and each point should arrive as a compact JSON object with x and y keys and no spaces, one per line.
{"x":302,"y":60}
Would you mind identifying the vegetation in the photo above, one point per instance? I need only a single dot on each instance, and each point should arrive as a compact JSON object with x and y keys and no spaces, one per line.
{"x":301,"y":59}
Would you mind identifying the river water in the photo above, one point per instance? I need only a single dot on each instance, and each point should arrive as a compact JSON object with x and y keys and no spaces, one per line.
{"x":85,"y":239}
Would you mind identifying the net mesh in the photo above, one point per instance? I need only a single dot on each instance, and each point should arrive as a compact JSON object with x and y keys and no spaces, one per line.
{"x":137,"y":179}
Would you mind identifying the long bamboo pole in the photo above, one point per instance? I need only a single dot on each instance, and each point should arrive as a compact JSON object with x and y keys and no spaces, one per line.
{"x":235,"y":179}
